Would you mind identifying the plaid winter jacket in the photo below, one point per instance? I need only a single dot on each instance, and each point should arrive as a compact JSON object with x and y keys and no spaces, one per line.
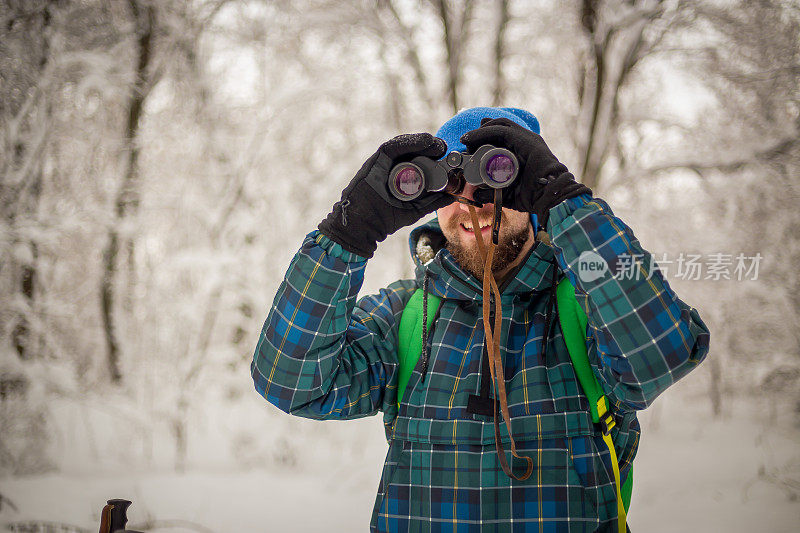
{"x":322,"y":354}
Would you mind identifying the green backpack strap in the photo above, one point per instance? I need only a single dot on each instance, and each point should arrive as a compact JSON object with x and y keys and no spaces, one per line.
{"x":574,"y":322}
{"x":573,"y":326}
{"x":409,"y":346}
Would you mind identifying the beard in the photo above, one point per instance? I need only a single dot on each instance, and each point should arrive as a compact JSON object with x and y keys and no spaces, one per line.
{"x":510,"y":245}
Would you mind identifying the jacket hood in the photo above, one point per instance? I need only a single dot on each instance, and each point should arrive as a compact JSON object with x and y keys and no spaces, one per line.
{"x":447,"y":279}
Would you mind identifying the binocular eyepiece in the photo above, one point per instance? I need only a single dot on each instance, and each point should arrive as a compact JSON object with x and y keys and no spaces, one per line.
{"x":490,"y":166}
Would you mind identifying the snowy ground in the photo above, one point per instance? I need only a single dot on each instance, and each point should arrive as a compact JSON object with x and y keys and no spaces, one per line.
{"x":693,"y":474}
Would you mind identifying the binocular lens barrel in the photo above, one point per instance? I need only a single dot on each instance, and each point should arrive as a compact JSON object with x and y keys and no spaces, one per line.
{"x":406,"y":181}
{"x":500,"y":169}
{"x":489,"y":166}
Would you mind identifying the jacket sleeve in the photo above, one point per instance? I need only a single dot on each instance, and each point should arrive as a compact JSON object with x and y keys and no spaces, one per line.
{"x":642,"y":337}
{"x":320,"y":354}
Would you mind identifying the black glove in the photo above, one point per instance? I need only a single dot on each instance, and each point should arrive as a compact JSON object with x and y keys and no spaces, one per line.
{"x":364,"y":217}
{"x":543,"y":181}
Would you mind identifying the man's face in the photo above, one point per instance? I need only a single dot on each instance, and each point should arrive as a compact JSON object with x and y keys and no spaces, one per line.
{"x":516,"y":235}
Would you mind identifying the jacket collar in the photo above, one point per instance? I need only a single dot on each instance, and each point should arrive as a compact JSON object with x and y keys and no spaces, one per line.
{"x":447,"y":279}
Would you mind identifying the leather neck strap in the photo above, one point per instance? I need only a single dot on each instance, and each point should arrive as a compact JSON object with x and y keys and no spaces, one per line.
{"x":492,"y":332}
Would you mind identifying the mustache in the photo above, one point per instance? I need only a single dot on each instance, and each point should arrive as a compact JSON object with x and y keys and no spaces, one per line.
{"x":484,"y":217}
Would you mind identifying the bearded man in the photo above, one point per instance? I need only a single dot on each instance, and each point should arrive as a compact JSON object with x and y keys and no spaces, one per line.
{"x":325,"y":354}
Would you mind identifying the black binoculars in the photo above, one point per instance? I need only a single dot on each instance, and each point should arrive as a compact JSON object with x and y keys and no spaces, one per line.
{"x":489,"y":165}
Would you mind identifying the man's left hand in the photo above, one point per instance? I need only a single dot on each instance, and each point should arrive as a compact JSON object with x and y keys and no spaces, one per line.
{"x":543,"y":181}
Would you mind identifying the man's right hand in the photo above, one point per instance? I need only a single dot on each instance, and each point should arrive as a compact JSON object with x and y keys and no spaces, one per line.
{"x":362,"y":218}
{"x":544,"y":181}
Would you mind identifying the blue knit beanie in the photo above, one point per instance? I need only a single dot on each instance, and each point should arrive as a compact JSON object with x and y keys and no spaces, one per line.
{"x":470,"y":119}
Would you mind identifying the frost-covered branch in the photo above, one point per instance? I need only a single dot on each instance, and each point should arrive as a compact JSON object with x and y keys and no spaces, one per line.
{"x":778,"y":148}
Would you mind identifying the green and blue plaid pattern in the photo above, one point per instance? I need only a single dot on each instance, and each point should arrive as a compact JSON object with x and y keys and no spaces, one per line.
{"x":324,"y":354}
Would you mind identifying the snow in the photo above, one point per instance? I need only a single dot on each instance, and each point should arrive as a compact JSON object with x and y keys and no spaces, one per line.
{"x":693,"y":473}
{"x":243,"y":501}
{"x":243,"y":156}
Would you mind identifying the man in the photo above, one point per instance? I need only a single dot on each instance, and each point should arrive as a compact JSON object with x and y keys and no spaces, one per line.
{"x":324,"y":355}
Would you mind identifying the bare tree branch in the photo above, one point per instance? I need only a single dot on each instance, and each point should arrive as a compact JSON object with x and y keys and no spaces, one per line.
{"x":499,"y":90}
{"x":617,"y":44}
{"x":779,"y":148}
{"x":127,"y":200}
{"x":407,"y":37}
{"x":455,"y":36}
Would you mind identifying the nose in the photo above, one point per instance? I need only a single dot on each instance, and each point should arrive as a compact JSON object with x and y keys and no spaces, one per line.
{"x":469,"y":194}
{"x":469,"y":191}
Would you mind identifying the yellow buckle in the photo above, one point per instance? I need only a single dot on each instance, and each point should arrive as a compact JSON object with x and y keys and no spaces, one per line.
{"x":606,"y":424}
{"x":607,"y":421}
